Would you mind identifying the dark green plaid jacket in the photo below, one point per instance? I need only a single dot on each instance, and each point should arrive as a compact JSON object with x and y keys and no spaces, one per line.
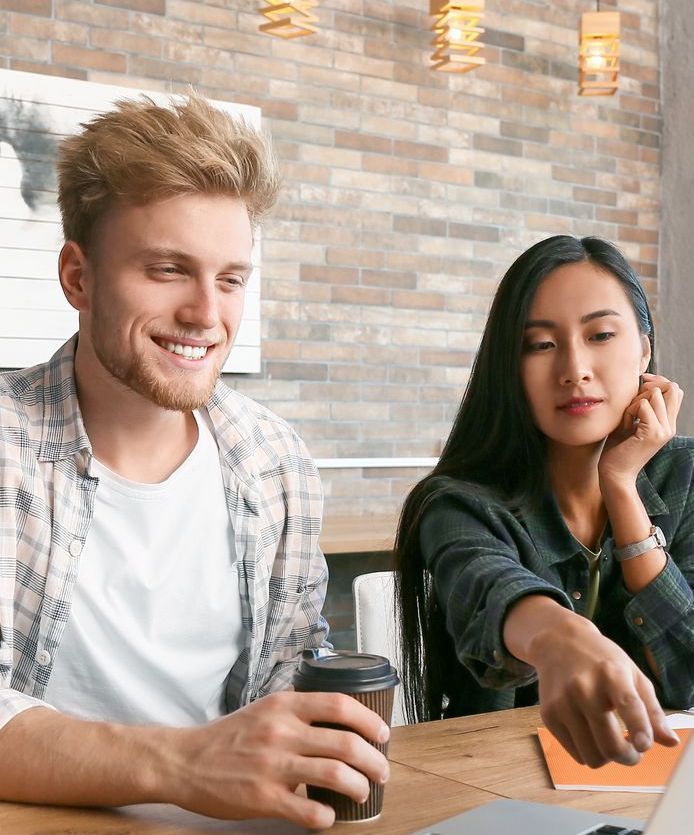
{"x":483,"y":557}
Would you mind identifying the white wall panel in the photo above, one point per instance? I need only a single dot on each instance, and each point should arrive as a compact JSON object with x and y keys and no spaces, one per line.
{"x":36,"y":111}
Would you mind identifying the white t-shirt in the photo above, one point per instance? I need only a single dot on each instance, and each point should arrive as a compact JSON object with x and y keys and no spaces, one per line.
{"x":155,"y":623}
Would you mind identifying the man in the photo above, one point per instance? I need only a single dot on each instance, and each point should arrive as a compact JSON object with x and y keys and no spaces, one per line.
{"x":159,"y":565}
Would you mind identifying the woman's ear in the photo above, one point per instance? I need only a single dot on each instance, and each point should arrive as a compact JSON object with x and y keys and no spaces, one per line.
{"x":646,"y":355}
{"x":73,"y":270}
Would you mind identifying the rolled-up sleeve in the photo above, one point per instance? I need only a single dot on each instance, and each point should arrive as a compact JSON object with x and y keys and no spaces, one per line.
{"x":471,"y":550}
{"x":309,"y":630}
{"x":12,"y":703}
{"x":661,"y":616}
{"x":12,"y":700}
{"x":299,"y":578}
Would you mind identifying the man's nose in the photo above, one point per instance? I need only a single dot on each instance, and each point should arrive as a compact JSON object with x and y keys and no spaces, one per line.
{"x":201,"y":307}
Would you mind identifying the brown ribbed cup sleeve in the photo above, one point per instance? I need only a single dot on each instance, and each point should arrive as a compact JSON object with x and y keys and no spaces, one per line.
{"x":381,"y":702}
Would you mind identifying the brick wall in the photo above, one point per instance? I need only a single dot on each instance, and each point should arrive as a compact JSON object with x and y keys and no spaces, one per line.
{"x":407,"y":193}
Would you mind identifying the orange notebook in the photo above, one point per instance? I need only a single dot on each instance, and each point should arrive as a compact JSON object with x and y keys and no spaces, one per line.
{"x":650,"y":775}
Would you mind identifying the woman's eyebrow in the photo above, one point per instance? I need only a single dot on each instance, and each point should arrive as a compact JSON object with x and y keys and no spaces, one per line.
{"x":598,"y":314}
{"x":548,"y":323}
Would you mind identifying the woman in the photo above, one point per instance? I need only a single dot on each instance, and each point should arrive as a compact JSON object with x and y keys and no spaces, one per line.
{"x":550,"y":554}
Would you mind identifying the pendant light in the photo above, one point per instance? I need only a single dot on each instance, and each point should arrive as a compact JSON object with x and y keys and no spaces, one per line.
{"x":457,"y":31}
{"x":598,"y":54}
{"x":289,"y":20}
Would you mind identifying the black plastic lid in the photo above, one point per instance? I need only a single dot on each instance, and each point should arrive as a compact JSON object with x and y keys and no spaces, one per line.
{"x":341,"y":671}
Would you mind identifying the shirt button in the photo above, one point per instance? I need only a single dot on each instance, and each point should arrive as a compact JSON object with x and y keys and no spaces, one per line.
{"x":75,"y":548}
{"x":638,"y":621}
{"x":497,"y":656}
{"x":43,"y":658}
{"x":576,"y":595}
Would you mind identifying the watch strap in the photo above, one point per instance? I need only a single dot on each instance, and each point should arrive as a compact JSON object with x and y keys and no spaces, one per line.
{"x":656,"y":539}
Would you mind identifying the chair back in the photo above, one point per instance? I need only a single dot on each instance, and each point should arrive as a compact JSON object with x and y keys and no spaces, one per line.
{"x":377,"y":625}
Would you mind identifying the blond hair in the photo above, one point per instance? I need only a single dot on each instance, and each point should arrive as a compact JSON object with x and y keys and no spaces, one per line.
{"x":141,"y":152}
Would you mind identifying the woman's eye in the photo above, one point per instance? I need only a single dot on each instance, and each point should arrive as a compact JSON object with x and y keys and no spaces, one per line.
{"x":603,"y":336}
{"x":537,"y":347}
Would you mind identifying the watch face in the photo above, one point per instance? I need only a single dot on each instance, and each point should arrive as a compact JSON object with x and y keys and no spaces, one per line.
{"x":659,"y":537}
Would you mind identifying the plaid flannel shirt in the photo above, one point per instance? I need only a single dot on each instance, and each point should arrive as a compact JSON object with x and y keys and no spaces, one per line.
{"x":483,"y":558}
{"x":46,"y":506}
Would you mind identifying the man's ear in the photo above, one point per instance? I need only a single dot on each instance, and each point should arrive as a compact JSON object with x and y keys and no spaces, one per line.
{"x":73,"y":270}
{"x":646,"y":358}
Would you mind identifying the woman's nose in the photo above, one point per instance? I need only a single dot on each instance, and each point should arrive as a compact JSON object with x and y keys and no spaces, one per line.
{"x":576,"y":367}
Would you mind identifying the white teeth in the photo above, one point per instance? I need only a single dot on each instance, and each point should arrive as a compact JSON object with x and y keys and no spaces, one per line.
{"x":186,"y":351}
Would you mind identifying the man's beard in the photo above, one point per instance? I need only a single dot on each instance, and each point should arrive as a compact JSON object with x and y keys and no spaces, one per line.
{"x":177,"y":394}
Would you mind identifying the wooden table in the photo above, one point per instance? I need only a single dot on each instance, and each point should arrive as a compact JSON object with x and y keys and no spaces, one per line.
{"x":437,"y":770}
{"x":412,"y":797}
{"x":358,"y":534}
{"x":500,"y":753}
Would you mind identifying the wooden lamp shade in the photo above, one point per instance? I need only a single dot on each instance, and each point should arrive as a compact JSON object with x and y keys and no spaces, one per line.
{"x":598,"y":54}
{"x":457,"y":44}
{"x":289,"y":20}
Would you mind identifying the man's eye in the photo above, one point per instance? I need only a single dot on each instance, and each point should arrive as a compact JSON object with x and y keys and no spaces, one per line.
{"x":165,"y":269}
{"x":233,"y":280}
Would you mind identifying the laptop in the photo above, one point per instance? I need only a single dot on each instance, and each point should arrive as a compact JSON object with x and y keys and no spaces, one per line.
{"x":672,"y":816}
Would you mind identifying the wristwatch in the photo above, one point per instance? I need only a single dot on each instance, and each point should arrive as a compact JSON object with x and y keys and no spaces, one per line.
{"x":656,"y":539}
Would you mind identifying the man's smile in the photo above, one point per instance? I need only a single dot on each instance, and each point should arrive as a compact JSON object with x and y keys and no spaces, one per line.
{"x":190,"y":349}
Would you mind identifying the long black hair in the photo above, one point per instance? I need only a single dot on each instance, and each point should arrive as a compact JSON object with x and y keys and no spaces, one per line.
{"x":494,"y":443}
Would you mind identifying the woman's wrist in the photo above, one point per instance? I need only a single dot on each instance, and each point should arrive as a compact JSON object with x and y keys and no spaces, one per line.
{"x":617,"y":487}
{"x":628,"y":517}
{"x":537,"y":623}
{"x":553,"y":638}
{"x":631,"y":525}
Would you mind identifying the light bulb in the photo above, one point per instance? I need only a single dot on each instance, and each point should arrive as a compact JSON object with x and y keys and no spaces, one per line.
{"x":596,"y":62}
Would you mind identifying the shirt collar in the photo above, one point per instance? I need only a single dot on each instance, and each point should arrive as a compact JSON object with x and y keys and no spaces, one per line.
{"x":652,"y":500}
{"x":547,"y":528}
{"x":241,"y":443}
{"x":63,"y":434}
{"x":62,"y":429}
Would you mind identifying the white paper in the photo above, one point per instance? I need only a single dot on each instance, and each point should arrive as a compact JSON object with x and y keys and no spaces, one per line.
{"x":681,"y":720}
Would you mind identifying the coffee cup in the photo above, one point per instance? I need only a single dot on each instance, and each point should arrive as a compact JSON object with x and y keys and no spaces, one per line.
{"x":371,"y":680}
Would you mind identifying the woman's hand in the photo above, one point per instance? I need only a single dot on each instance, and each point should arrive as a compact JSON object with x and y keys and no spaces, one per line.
{"x":590,"y":690}
{"x":649,"y":422}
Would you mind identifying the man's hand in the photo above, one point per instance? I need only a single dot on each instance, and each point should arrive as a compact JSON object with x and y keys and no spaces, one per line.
{"x":590,"y":690}
{"x":249,"y":764}
{"x":245,"y":765}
